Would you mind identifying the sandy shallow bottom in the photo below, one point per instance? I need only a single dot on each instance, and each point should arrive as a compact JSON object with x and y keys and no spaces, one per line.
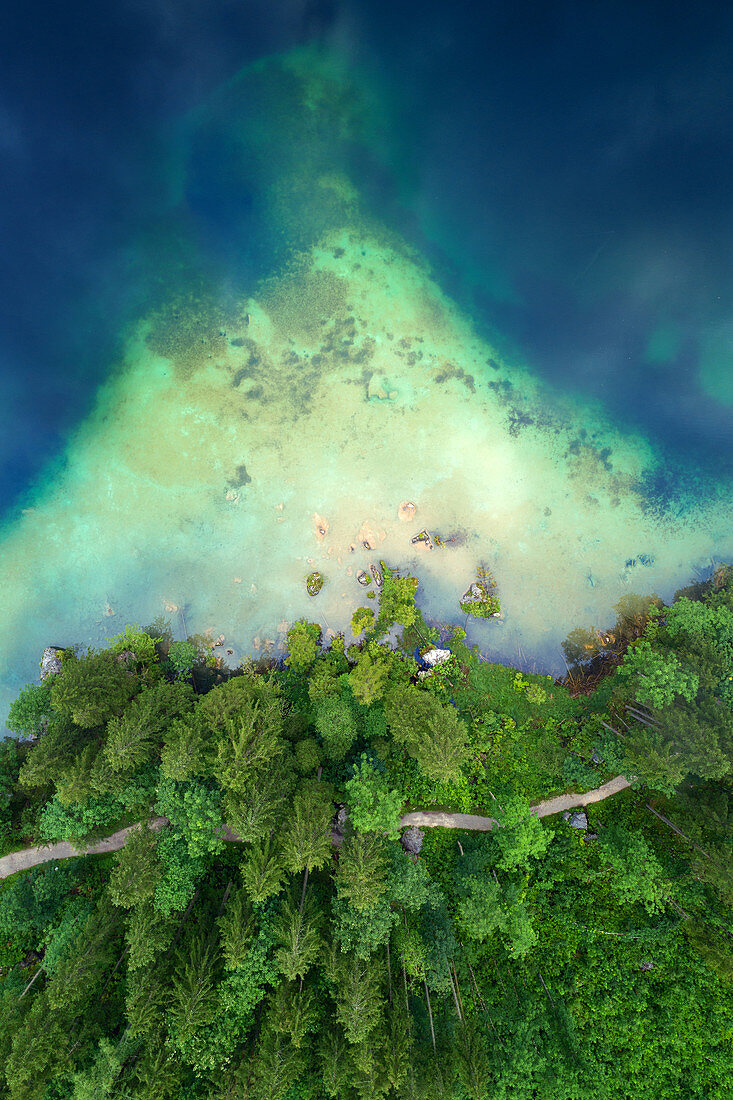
{"x":202,"y":483}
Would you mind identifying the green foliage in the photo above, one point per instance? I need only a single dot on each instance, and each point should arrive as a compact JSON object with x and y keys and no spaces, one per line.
{"x":336,"y":723}
{"x":362,"y":931}
{"x":236,"y":929}
{"x":307,"y":838}
{"x":396,"y":601}
{"x":183,"y":657}
{"x":520,"y":835}
{"x":304,"y":639}
{"x":362,"y":620}
{"x":577,"y":773}
{"x":307,"y":756}
{"x":30,"y":711}
{"x":78,"y":821}
{"x":133,"y":639}
{"x":194,"y":811}
{"x":637,"y":875}
{"x":481,"y":599}
{"x":138,"y":871}
{"x":368,"y":678}
{"x":262,"y":870}
{"x":193,"y":993}
{"x":92,"y":689}
{"x":360,"y":877}
{"x":31,"y":903}
{"x":359,"y":1001}
{"x":134,"y":738}
{"x":430,"y":731}
{"x":297,"y":936}
{"x":657,"y":679}
{"x":373,"y":807}
{"x":181,"y":873}
{"x":480,"y":906}
{"x":555,"y":965}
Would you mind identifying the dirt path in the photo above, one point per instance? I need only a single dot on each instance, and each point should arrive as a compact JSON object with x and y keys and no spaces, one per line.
{"x":431,"y":818}
{"x":26,"y":858}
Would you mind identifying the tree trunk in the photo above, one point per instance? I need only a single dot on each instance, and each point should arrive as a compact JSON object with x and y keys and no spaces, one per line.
{"x":675,"y":829}
{"x":389,"y":973}
{"x":30,"y":983}
{"x":302,"y":896}
{"x":458,"y":988}
{"x":430,"y":1012}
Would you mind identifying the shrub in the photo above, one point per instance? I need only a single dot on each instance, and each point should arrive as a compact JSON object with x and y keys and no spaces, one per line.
{"x":307,"y":756}
{"x":28,"y":713}
{"x":182,"y":656}
{"x":134,"y":639}
{"x":303,"y":641}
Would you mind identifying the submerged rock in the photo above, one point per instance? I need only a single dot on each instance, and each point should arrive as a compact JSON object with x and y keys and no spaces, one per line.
{"x":51,"y":661}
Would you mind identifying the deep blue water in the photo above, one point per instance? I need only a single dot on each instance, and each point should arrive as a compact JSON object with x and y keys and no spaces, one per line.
{"x":565,"y":166}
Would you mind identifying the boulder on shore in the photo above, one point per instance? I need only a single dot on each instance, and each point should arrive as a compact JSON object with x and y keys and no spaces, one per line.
{"x":51,"y":661}
{"x":435,"y":656}
{"x":412,"y":839}
{"x":338,"y":826}
{"x":576,"y":820}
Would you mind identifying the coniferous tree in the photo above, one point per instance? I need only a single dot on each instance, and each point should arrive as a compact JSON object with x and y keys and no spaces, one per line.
{"x":187,"y":750}
{"x":138,"y":870}
{"x":193,"y":991}
{"x":262,"y":870}
{"x":298,"y":938}
{"x":236,"y":928}
{"x":307,"y":837}
{"x":333,"y":1061}
{"x":361,"y":874}
{"x":358,"y":997}
{"x":94,"y":688}
{"x":472,"y":1060}
{"x":277,"y":1066}
{"x":294,"y":1012}
{"x":133,"y":737}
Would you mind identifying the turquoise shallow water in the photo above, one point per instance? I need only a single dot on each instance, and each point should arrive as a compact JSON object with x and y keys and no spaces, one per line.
{"x":270,"y":414}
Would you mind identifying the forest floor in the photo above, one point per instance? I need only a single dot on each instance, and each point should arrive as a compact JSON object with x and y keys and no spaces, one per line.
{"x":26,"y":858}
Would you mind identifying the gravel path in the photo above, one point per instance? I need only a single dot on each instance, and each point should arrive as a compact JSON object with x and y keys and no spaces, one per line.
{"x":26,"y":858}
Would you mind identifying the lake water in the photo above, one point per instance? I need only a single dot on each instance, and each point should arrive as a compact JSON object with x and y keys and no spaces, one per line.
{"x":272,"y":272}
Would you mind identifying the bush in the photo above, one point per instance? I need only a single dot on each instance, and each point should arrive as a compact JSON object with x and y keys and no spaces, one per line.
{"x":304,"y":639}
{"x":307,"y":756}
{"x":182,"y":656}
{"x":30,"y":710}
{"x":134,"y":639}
{"x":373,"y":807}
{"x":91,"y":689}
{"x":336,"y":723}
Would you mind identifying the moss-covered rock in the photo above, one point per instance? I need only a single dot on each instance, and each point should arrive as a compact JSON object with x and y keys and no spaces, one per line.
{"x":481,"y":599}
{"x":314,"y":583}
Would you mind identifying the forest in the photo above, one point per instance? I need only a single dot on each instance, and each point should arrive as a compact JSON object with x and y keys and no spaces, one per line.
{"x":271,"y":931}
